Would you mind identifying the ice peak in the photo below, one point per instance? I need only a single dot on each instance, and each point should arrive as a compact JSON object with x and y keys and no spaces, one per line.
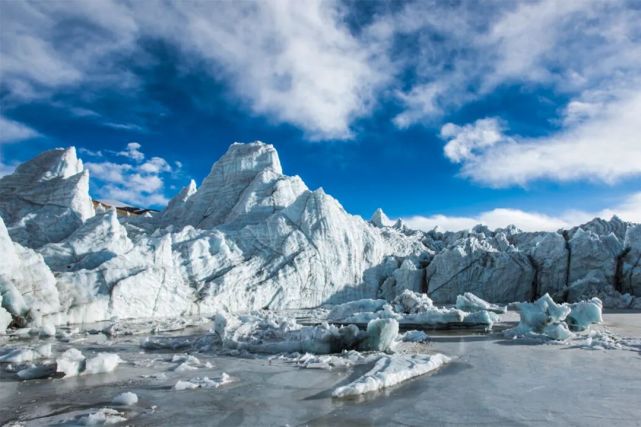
{"x":379,"y":218}
{"x":187,"y":191}
{"x":243,"y":158}
{"x":56,"y":163}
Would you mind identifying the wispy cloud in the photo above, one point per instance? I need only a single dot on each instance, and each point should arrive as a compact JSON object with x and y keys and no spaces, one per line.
{"x":628,"y":209}
{"x":294,"y":62}
{"x":12,"y":131}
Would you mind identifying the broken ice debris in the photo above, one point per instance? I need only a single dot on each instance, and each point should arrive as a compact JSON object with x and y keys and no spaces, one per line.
{"x":418,"y":309}
{"x":268,"y":333}
{"x":72,"y":362}
{"x":556,"y":321}
{"x":204,"y":382}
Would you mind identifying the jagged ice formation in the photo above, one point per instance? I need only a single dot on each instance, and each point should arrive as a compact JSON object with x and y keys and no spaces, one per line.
{"x":251,"y":237}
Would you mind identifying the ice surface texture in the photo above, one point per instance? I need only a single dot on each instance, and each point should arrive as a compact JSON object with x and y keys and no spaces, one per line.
{"x":251,"y":237}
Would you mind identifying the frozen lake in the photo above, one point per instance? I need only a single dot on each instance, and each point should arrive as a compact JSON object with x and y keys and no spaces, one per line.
{"x":491,"y":381}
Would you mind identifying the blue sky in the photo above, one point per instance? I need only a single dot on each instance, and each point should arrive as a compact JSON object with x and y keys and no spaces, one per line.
{"x":443,"y":113}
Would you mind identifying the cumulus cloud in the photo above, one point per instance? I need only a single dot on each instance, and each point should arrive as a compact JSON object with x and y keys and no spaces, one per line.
{"x":604,"y":147}
{"x":12,"y":131}
{"x":465,"y":141}
{"x":132,"y":151}
{"x":628,"y":209}
{"x":136,"y":182}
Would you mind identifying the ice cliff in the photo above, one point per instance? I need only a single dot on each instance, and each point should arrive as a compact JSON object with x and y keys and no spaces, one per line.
{"x":250,"y":237}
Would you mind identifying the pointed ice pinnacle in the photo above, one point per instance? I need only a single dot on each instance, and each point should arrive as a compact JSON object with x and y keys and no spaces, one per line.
{"x":245,"y":186}
{"x":379,"y":219}
{"x":46,"y":198}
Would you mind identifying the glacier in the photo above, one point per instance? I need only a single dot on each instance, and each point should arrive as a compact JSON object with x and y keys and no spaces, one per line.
{"x":250,"y":238}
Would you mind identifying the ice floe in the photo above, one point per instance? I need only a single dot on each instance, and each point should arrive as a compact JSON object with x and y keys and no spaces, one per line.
{"x":391,"y":370}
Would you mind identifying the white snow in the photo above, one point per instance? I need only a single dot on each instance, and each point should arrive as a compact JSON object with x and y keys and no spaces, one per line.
{"x":391,"y":370}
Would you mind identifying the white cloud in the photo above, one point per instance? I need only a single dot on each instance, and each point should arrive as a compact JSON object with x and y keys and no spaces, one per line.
{"x":133,"y":152}
{"x":629,"y":210}
{"x":156,"y":165}
{"x":12,"y":131}
{"x":135,"y":182}
{"x":465,"y":141}
{"x":295,"y":62}
{"x":466,"y":50}
{"x":604,"y":147}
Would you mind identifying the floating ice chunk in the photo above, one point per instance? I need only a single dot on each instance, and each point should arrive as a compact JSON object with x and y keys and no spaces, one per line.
{"x":344,"y":311}
{"x":102,"y":417}
{"x":267,"y":333}
{"x":102,"y":363}
{"x":19,"y":355}
{"x":204,"y":382}
{"x":381,"y":333}
{"x":557,"y":331}
{"x":386,"y":312}
{"x":185,"y":385}
{"x":127,"y":399}
{"x":470,"y":302}
{"x":186,"y":362}
{"x":535,"y":316}
{"x":24,"y":355}
{"x":37,"y":372}
{"x":483,"y":317}
{"x":415,"y":336}
{"x":434,"y":316}
{"x":584,"y":314}
{"x":71,"y":362}
{"x":412,"y":302}
{"x":391,"y":370}
{"x":546,"y":317}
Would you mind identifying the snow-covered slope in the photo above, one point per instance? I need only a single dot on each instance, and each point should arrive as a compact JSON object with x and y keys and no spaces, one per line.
{"x":251,"y":237}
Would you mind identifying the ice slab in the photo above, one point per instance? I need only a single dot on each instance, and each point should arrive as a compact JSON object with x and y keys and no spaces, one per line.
{"x":391,"y":370}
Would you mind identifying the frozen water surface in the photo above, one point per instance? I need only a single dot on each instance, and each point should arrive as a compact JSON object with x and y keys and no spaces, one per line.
{"x":491,"y":380}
